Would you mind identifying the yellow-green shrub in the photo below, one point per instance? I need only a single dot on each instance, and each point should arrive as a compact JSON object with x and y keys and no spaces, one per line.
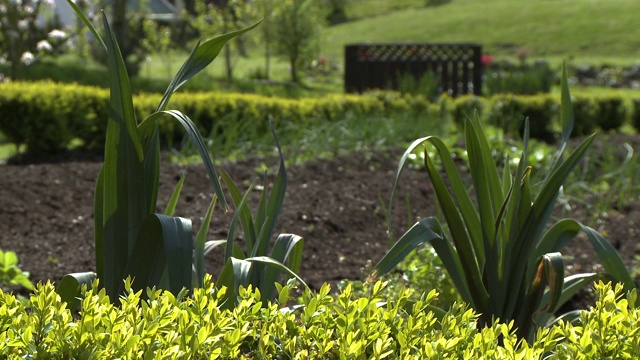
{"x":46,"y":116}
{"x":164,"y":326}
{"x":467,"y":106}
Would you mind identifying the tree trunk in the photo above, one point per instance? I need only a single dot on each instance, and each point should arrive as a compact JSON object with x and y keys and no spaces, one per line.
{"x":294,"y":69}
{"x":227,"y":61}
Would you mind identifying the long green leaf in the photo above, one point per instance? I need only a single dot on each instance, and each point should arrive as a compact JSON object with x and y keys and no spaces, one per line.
{"x":200,"y":241}
{"x":244,"y":213}
{"x":555,"y":239}
{"x":550,"y":271}
{"x":236,"y":252}
{"x":125,"y":197}
{"x":234,"y":220}
{"x":424,"y":231}
{"x":98,"y":223}
{"x":151,"y":168}
{"x":488,"y":190}
{"x":165,"y":243}
{"x":287,"y":249}
{"x":566,"y":106}
{"x":463,"y":242}
{"x":87,"y":23}
{"x":175,"y":196}
{"x":273,"y":206}
{"x":465,"y":204}
{"x":201,"y":56}
{"x":609,"y":258}
{"x":572,"y":285}
{"x":531,"y":230}
{"x":235,"y":273}
{"x":267,"y":261}
{"x":149,"y":125}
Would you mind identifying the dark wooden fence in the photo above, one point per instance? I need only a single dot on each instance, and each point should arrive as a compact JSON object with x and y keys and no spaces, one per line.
{"x":457,"y":67}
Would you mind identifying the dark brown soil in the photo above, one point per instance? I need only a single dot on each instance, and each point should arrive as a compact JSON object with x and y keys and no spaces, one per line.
{"x":46,"y":213}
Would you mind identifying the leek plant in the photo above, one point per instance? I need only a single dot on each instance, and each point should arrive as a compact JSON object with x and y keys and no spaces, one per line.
{"x":498,"y":250}
{"x":158,"y":250}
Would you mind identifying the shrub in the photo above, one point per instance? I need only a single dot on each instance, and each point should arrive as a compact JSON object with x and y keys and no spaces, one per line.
{"x":465,"y":107}
{"x":635,"y":113}
{"x":585,"y":110}
{"x":523,"y":80}
{"x":10,"y":273}
{"x":193,"y":326}
{"x":612,"y":112}
{"x":425,"y":85}
{"x":508,"y":112}
{"x":436,"y":2}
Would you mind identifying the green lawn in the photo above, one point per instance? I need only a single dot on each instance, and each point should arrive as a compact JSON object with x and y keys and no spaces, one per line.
{"x":596,"y":31}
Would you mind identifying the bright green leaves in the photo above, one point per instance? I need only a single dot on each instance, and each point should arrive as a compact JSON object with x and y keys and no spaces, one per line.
{"x":163,"y":325}
{"x":10,"y":273}
{"x":499,"y":253}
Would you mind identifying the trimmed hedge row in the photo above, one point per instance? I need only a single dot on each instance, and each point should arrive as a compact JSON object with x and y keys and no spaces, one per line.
{"x":607,"y":113}
{"x":46,"y":116}
{"x":163,"y":326}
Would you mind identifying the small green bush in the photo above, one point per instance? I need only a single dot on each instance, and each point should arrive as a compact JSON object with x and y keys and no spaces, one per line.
{"x":585,"y":111}
{"x":635,"y":114}
{"x":508,"y":112}
{"x":467,"y":106}
{"x":612,"y":112}
{"x":523,"y":80}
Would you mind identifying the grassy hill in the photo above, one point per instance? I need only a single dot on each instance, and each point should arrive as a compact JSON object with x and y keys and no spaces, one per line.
{"x":587,"y":30}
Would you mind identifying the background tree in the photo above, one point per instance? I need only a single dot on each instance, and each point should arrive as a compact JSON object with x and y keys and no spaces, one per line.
{"x":127,"y":26}
{"x":297,"y":25}
{"x":27,"y":29}
{"x":266,"y":8}
{"x":221,"y":17}
{"x":157,"y":41}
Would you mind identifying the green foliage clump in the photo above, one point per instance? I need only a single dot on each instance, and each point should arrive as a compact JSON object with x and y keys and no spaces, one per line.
{"x":47,"y":116}
{"x":467,"y":106}
{"x":508,"y":112}
{"x":523,"y":80}
{"x":10,"y":273}
{"x":192,"y":326}
{"x":498,"y":249}
{"x":635,"y":114}
{"x":612,"y":113}
{"x":585,"y":111}
{"x":607,"y":331}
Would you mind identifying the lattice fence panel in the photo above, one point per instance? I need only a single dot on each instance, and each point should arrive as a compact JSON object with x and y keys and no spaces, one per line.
{"x":378,"y":66}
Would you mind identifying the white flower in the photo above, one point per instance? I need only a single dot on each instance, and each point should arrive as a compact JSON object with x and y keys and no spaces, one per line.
{"x":23,"y":24}
{"x":28,"y":9}
{"x":3,"y":9}
{"x":57,"y":34}
{"x":43,"y":45}
{"x":27,"y":58}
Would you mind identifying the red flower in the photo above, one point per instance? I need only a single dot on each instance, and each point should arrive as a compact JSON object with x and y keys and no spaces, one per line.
{"x":486,"y":59}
